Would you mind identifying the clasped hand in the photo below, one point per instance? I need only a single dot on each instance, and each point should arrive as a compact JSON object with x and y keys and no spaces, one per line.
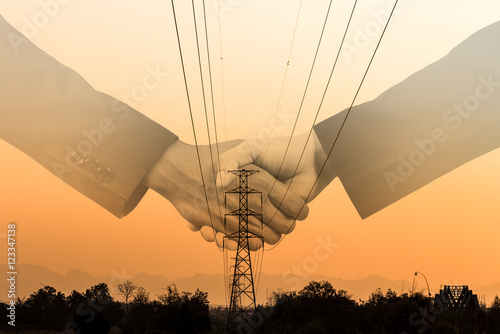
{"x":287,"y":183}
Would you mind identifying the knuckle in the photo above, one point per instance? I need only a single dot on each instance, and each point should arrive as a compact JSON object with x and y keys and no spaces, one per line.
{"x":272,"y":239}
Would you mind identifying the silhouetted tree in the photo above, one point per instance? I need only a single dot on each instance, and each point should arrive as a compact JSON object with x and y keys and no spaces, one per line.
{"x":141,"y":311}
{"x":46,"y":309}
{"x":494,"y":316}
{"x":194,"y":313}
{"x":99,"y":294}
{"x":389,"y":312}
{"x":127,"y":289}
{"x":496,"y":303}
{"x":183,"y":312}
{"x":317,"y":308}
{"x":75,"y":299}
{"x":95,"y":311}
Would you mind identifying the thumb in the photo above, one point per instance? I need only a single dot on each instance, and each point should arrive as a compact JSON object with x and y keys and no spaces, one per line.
{"x":244,"y":154}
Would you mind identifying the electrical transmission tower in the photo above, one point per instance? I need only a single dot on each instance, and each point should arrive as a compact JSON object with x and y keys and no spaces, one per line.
{"x":242,"y":301}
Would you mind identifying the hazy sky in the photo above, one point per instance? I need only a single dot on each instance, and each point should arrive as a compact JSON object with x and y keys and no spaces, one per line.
{"x":448,"y":230}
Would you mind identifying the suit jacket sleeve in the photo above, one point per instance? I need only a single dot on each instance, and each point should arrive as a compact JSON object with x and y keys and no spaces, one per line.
{"x":95,"y":143}
{"x":429,"y":124}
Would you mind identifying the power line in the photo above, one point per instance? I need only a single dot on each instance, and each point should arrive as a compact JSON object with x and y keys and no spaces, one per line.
{"x":212,"y":95}
{"x":284,"y":80}
{"x":226,"y":284}
{"x":222,"y":80}
{"x":192,"y":119}
{"x":259,"y":252}
{"x":303,"y":96}
{"x":343,"y":122}
{"x":226,"y":260}
{"x":319,"y":108}
{"x":205,"y":103}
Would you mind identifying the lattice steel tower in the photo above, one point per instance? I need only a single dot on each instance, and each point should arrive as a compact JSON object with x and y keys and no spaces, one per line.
{"x":242,"y":301}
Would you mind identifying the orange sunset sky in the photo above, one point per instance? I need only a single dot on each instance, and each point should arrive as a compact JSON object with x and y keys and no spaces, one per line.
{"x":448,"y":230}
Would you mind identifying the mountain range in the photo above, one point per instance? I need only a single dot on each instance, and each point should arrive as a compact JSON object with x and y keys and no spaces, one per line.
{"x":32,"y":277}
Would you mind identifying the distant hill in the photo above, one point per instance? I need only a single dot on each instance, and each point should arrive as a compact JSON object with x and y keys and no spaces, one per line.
{"x":489,"y":292}
{"x":31,"y":277}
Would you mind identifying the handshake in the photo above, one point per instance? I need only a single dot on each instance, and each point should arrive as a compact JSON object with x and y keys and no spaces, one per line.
{"x":384,"y":135}
{"x":287,"y":182}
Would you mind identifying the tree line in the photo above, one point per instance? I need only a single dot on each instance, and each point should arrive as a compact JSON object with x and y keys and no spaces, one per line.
{"x":95,"y":311}
{"x":317,"y":308}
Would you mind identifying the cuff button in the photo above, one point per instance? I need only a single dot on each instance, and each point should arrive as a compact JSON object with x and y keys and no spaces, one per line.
{"x":77,"y":158}
{"x":91,"y":165}
{"x":104,"y":174}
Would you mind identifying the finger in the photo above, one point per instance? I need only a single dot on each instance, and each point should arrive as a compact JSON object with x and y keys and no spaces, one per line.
{"x":273,"y":217}
{"x":255,"y":244}
{"x":226,"y":178}
{"x":197,"y":217}
{"x":232,"y":225}
{"x":220,"y":239}
{"x":193,"y":227}
{"x":230,"y":244}
{"x":270,"y":235}
{"x":288,"y":202}
{"x":208,"y":233}
{"x":243,"y":154}
{"x":199,"y":221}
{"x":210,"y":236}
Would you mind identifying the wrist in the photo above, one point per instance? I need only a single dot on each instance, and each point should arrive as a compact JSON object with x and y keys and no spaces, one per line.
{"x":163,"y":176}
{"x":322,"y":158}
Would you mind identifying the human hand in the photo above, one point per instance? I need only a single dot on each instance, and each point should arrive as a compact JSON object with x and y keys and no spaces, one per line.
{"x":176,"y":176}
{"x":303,"y":170}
